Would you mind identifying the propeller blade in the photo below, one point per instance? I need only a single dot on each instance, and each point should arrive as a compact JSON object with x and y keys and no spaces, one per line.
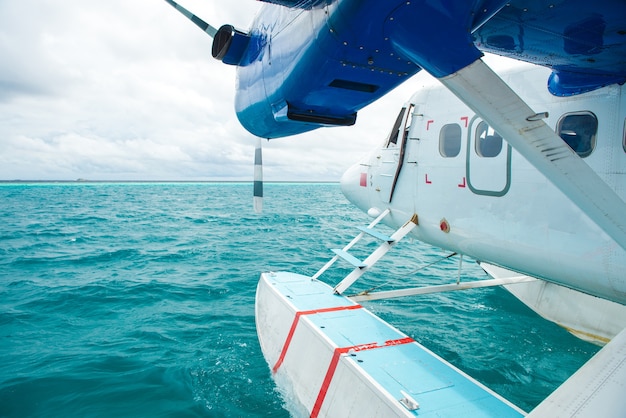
{"x":258,"y":178}
{"x":210,"y":30}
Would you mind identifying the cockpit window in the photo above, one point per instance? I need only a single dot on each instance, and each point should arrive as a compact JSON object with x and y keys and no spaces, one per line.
{"x":488,"y":141}
{"x":579,"y":130}
{"x":450,"y":140}
{"x":393,"y":135}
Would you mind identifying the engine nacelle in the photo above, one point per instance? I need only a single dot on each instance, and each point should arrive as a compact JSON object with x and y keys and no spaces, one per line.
{"x":230,"y":45}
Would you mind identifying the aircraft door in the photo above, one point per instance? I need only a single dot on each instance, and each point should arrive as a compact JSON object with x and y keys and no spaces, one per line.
{"x":391,"y":156}
{"x":488,"y":166}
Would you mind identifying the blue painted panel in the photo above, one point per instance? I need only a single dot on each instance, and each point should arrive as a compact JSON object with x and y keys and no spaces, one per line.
{"x":321,"y":65}
{"x":439,"y":389}
{"x":330,"y":69}
{"x":435,"y":35}
{"x":565,"y":83}
{"x":583,"y":41}
{"x":300,"y":4}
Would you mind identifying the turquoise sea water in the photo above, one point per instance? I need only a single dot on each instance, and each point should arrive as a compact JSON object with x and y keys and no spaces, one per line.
{"x":138,"y":300}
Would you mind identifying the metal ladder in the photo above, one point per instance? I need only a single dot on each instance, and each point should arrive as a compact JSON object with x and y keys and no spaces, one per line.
{"x":360,"y":267}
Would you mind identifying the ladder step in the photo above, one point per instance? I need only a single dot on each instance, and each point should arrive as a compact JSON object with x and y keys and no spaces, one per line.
{"x":376,"y":255}
{"x":376,"y":234}
{"x":350,"y":258}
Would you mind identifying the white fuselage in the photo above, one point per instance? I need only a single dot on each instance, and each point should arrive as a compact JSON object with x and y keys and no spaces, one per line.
{"x":496,"y":207}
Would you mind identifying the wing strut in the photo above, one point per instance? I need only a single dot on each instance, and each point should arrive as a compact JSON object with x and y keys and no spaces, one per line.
{"x":596,"y":390}
{"x":490,"y":97}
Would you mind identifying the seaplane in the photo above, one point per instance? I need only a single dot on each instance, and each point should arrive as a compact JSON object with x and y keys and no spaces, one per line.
{"x":524,"y":171}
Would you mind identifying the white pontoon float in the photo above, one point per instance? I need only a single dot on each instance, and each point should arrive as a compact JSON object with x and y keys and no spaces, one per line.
{"x":334,"y":358}
{"x":339,"y":360}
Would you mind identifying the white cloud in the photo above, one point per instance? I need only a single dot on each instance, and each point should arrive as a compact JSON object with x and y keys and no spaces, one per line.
{"x":113,"y":90}
{"x":128,"y":90}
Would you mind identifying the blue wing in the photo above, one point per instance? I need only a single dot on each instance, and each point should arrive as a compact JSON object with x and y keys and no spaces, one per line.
{"x":310,"y":63}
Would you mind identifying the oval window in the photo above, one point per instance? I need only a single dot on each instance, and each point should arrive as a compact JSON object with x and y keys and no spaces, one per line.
{"x":450,"y":140}
{"x":488,"y":141}
{"x":579,"y":130}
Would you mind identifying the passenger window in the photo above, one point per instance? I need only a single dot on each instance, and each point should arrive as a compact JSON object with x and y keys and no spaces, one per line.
{"x":579,"y":130}
{"x":488,"y":141}
{"x":450,"y":140}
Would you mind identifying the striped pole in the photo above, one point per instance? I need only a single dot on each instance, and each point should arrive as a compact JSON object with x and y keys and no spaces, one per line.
{"x":258,"y":178}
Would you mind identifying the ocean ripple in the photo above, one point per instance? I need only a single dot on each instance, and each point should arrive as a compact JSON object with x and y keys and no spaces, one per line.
{"x":138,"y":300}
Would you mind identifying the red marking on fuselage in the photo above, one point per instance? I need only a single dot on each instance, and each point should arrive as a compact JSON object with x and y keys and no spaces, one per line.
{"x":363,"y":180}
{"x":426,"y":179}
{"x":465,"y":119}
{"x":428,"y":124}
{"x":464,"y":184}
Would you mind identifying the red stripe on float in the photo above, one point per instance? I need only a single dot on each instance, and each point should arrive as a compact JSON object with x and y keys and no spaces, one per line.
{"x":294,"y":325}
{"x":335,"y":361}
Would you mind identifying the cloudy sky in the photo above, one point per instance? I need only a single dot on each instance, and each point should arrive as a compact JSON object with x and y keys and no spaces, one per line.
{"x":128,"y":90}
